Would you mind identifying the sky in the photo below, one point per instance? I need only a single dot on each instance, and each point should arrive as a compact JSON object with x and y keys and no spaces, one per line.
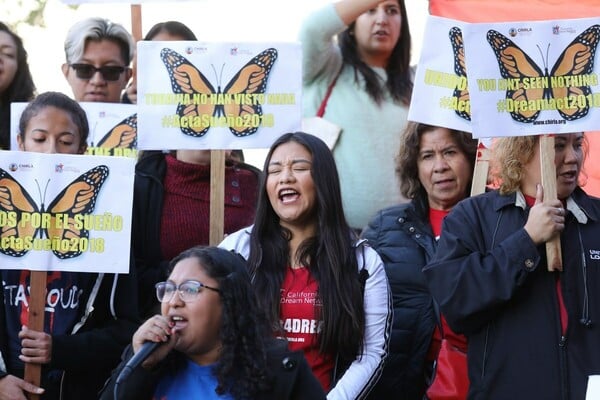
{"x":211,"y":20}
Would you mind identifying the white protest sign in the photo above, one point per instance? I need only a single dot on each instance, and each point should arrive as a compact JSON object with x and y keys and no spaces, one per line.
{"x":593,"y":388}
{"x":197,"y":95}
{"x":533,"y":77}
{"x":113,"y":128}
{"x":440,"y":95}
{"x":64,"y":212}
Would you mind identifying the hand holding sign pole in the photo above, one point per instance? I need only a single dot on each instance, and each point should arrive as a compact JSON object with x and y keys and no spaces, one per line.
{"x":35,"y":321}
{"x":548,"y":169}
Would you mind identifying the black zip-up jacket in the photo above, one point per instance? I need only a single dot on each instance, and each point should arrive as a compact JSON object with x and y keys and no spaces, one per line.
{"x":403,"y":238}
{"x":492,"y":284}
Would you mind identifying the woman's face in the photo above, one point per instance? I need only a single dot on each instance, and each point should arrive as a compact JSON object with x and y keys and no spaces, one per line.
{"x":8,"y":60}
{"x":198,"y":322}
{"x":103,"y":53}
{"x":377,"y":31}
{"x":290,"y":186}
{"x":444,"y":170}
{"x":51,"y":131}
{"x":568,"y":158}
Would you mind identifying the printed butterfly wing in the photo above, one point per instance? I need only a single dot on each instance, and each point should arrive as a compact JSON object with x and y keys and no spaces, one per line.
{"x":514,"y":63}
{"x":15,"y":200}
{"x":187,"y":79}
{"x":251,"y":79}
{"x":460,"y":68}
{"x":79,"y":197}
{"x":122,"y":135}
{"x":576,"y":59}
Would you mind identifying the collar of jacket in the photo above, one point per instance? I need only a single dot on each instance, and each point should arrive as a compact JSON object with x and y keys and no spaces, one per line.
{"x":579,"y":204}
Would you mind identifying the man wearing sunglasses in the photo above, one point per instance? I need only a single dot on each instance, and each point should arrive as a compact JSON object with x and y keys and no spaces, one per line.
{"x":98,"y":53}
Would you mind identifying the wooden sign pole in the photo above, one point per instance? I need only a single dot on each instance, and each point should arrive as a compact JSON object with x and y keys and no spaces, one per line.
{"x":136,"y":22}
{"x":548,"y":169}
{"x":35,"y":321}
{"x":481,"y":170}
{"x":37,"y":290}
{"x":217,"y":196}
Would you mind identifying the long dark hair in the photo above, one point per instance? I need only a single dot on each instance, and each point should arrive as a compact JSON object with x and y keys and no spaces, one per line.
{"x":399,"y":77}
{"x":329,"y":255}
{"x":21,"y":89}
{"x":242,"y":366}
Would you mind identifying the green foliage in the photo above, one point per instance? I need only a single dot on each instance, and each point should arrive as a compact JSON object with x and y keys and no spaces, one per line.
{"x":28,"y":12}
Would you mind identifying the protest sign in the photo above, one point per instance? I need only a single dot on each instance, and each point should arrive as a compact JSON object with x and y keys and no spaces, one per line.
{"x":197,"y":95}
{"x":528,"y":78}
{"x":440,"y":95}
{"x":113,"y":128}
{"x":60,"y":212}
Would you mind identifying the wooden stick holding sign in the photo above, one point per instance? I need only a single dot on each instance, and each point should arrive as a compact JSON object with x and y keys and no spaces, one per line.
{"x":548,"y":170}
{"x":481,"y":170}
{"x":35,"y":321}
{"x":217,"y":196}
{"x":136,"y":22}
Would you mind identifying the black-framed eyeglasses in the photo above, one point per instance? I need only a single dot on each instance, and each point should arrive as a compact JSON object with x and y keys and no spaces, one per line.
{"x":108,"y":72}
{"x":188,"y":290}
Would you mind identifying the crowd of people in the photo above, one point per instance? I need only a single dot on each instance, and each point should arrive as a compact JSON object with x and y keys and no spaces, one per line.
{"x":348,"y":271}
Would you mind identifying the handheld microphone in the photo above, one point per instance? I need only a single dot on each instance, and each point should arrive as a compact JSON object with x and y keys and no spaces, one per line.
{"x":138,"y":358}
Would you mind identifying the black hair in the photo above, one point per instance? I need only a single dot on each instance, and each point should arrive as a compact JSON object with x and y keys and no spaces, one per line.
{"x":21,"y":89}
{"x":399,"y":75}
{"x":62,"y":102}
{"x":174,"y":28}
{"x":329,"y":255}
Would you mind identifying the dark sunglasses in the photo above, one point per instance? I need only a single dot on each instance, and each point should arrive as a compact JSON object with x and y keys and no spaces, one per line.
{"x":108,"y":72}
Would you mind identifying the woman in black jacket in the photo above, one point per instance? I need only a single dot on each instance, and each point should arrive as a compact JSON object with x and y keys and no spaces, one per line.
{"x":215,"y":341}
{"x":435,"y":167}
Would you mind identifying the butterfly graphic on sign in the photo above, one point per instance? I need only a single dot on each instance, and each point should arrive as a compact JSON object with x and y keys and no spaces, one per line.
{"x":230,"y":103}
{"x":79,"y":197}
{"x":576,"y":60}
{"x":123,"y":135}
{"x":461,"y":92}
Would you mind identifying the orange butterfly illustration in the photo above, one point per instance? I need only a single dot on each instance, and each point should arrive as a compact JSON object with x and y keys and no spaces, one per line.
{"x":187,"y":79}
{"x":79,"y":197}
{"x":576,"y":59}
{"x":122,"y":135}
{"x":460,"y":68}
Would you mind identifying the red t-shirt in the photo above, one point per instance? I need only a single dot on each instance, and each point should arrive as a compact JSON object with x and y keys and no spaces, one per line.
{"x":300,"y":310}
{"x":435,"y":220}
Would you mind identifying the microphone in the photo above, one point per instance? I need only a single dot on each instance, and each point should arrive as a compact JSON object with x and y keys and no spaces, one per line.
{"x":138,"y":358}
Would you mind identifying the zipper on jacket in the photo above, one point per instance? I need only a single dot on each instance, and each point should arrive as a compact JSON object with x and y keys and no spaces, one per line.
{"x":562,"y":354}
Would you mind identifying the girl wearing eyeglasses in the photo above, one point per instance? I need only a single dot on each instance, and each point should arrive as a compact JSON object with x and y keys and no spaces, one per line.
{"x":213,"y":339}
